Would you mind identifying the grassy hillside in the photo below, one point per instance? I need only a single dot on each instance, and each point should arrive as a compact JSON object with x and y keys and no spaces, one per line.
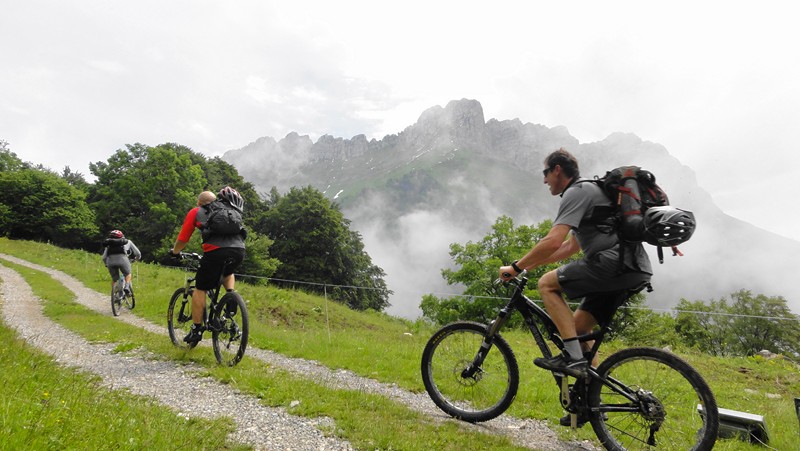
{"x":370,"y":344}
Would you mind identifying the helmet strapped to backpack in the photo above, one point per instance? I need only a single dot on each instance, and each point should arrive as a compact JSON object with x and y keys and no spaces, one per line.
{"x":668,"y":226}
{"x":233,"y":197}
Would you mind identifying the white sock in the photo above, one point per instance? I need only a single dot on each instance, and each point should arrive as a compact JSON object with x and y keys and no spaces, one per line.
{"x":573,"y":348}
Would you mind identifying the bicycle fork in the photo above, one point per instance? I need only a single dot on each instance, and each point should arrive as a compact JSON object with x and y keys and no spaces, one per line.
{"x":474,"y":368}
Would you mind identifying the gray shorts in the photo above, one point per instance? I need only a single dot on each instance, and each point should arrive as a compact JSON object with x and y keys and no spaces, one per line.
{"x":114,"y":270}
{"x":599,"y":281}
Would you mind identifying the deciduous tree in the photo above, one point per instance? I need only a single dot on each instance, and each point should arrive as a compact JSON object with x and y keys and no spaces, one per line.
{"x":314,"y":243}
{"x":41,"y":206}
{"x":476,"y":270}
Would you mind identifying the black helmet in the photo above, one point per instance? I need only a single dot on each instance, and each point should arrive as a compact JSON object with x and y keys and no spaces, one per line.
{"x":232,"y":196}
{"x":668,"y":226}
{"x":115,"y":234}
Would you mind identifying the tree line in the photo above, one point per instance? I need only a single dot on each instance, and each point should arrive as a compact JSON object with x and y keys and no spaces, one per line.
{"x":741,"y":325}
{"x":300,"y":235}
{"x":146,"y":191}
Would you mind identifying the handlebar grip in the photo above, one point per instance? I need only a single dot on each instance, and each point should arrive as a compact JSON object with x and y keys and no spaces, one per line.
{"x":189,"y":256}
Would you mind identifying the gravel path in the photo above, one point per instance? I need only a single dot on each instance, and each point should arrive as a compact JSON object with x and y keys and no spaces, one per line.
{"x":177,"y":385}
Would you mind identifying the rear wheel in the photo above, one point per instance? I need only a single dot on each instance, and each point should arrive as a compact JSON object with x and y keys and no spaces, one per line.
{"x":179,"y":318}
{"x":117,"y":294}
{"x":656,"y":400}
{"x":462,"y":391}
{"x":230,"y":328}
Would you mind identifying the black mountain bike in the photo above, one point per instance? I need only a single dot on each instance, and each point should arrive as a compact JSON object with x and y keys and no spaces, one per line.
{"x":225,"y":318}
{"x":637,"y":398}
{"x":120,"y":297}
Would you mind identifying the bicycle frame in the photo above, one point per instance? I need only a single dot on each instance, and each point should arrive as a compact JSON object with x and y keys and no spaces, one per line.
{"x":211,"y":296}
{"x":540,"y":323}
{"x":530,"y":313}
{"x":119,"y":287}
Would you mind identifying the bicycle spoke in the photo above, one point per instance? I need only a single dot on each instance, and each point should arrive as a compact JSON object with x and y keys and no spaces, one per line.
{"x":667,"y":392}
{"x":477,"y":395}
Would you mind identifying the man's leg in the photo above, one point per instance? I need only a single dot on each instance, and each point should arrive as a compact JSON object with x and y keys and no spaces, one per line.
{"x":198,"y":305}
{"x":572,"y":362}
{"x":584,"y":324}
{"x":228,"y":282}
{"x":127,"y":284}
{"x":556,"y":307}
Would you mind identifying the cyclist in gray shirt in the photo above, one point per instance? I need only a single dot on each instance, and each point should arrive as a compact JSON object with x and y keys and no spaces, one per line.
{"x":117,"y":252}
{"x":601,"y":278}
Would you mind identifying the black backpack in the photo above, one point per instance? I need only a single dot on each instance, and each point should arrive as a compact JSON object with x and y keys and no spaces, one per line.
{"x":115,"y":245}
{"x":221,"y":219}
{"x":632,"y":191}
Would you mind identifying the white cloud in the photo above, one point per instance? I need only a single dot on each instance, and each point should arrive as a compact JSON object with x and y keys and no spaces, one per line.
{"x":107,"y":66}
{"x":715,"y":85}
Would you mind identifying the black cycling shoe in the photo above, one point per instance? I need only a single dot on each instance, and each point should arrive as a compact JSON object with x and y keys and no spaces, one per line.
{"x":230,"y":308}
{"x":563,"y":364}
{"x":195,"y":334}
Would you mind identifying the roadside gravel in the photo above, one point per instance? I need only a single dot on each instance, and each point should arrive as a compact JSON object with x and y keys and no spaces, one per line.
{"x":180,"y":387}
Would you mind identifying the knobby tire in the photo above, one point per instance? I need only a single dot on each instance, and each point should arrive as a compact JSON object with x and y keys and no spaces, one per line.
{"x":664,"y":415}
{"x":179,"y":318}
{"x":229,"y":333}
{"x":480,"y":397}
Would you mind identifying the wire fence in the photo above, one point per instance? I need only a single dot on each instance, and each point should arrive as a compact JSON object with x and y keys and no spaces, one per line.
{"x":325,"y":286}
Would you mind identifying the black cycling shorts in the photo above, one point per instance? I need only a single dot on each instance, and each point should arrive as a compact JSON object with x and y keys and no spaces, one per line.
{"x":600,"y":283}
{"x":213,"y":266}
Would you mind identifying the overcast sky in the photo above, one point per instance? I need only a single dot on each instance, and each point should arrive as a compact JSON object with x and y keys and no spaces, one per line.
{"x":716,"y":83}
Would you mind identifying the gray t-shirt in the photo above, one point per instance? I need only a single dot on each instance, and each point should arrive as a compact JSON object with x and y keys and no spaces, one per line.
{"x":579,"y":206}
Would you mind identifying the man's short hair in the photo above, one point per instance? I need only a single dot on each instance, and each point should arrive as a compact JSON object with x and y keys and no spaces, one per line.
{"x":568,"y":162}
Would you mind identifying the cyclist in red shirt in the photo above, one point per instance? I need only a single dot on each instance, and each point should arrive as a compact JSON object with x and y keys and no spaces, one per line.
{"x":219,"y":251}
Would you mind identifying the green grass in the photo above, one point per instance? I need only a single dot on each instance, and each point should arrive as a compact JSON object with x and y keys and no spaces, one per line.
{"x":48,"y":406}
{"x":368,"y":421}
{"x":380,"y":347}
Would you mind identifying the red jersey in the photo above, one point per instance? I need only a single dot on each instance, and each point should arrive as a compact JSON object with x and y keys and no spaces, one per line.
{"x":189,"y":224}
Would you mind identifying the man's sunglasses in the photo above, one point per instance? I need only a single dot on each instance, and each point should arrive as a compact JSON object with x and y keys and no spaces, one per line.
{"x":546,"y":171}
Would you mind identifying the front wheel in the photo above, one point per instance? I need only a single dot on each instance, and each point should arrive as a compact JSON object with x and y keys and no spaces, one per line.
{"x":179,"y":318}
{"x":130,"y":301}
{"x":458,"y":387}
{"x":652,"y":399}
{"x":230,"y":329}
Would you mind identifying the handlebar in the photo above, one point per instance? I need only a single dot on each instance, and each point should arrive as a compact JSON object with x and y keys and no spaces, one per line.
{"x":190,"y":256}
{"x":515,"y":280}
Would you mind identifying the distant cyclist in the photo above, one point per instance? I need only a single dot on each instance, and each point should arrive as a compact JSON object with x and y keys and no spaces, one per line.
{"x":116,"y":256}
{"x":218,"y":248}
